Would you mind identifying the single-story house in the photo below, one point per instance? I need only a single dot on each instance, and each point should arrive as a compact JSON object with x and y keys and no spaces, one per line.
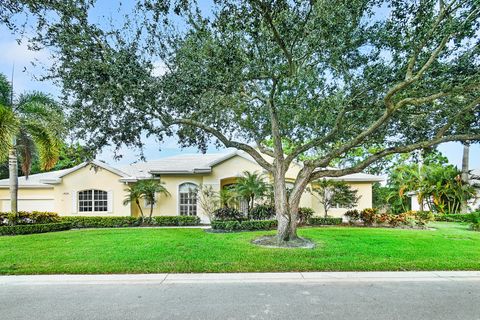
{"x":98,"y":189}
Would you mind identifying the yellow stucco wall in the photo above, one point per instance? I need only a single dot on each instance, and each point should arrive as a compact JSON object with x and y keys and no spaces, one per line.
{"x":88,"y":178}
{"x":28,"y":199}
{"x":364,"y":191}
{"x":63,"y":195}
{"x":168,"y":205}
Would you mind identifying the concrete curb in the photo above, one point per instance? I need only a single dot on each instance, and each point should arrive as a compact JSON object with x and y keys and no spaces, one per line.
{"x":296,"y":277}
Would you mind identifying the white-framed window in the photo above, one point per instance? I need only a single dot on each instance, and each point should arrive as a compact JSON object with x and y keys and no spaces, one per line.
{"x":92,"y":200}
{"x":187,"y":199}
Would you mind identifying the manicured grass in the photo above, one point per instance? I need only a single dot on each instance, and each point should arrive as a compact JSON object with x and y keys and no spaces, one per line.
{"x":451,"y":247}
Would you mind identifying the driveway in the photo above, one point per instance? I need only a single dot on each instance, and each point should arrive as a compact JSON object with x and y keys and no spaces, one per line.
{"x":384,"y":295}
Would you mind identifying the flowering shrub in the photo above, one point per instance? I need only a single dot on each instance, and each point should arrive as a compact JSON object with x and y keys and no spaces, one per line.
{"x":368,"y":216}
{"x":24,"y":217}
{"x":382,"y":218}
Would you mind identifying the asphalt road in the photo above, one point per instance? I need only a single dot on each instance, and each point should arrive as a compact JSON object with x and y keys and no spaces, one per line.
{"x":386,"y":299}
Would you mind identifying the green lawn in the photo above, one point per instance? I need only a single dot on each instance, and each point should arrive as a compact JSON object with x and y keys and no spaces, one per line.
{"x":451,"y":247}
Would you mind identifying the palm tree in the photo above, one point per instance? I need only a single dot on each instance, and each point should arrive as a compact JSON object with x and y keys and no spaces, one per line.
{"x":228,"y":197}
{"x":465,"y":172}
{"x":134,"y":195}
{"x":150,"y":189}
{"x":32,"y":126}
{"x":250,"y":187}
{"x":146,"y":190}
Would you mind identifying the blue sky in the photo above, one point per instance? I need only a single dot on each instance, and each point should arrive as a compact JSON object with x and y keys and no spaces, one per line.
{"x":12,"y":53}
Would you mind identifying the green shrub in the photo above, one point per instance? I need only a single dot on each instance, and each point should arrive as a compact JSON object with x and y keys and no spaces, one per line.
{"x":475,"y":221}
{"x":322,"y":221}
{"x":368,"y":216}
{"x":262,"y":212}
{"x":229,"y":225}
{"x":118,"y":222}
{"x":455,"y":217}
{"x":24,"y":217}
{"x":353,"y":216}
{"x":175,"y":220}
{"x":258,"y":225}
{"x":402,"y":219}
{"x":227,"y":213}
{"x":101,"y":222}
{"x":34,"y":228}
{"x":250,"y":225}
{"x":304,"y":213}
{"x":423,"y":217}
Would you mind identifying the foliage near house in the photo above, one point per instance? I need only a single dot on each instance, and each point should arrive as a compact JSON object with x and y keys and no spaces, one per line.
{"x":251,"y":186}
{"x":33,"y":228}
{"x":332,"y":193}
{"x":208,"y":200}
{"x":23,"y":217}
{"x":436,"y":184}
{"x":146,"y":191}
{"x":128,"y":221}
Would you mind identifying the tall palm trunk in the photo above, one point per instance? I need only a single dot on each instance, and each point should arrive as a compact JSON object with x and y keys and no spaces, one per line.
{"x":141,"y":211}
{"x":465,"y":173}
{"x":13,"y":175}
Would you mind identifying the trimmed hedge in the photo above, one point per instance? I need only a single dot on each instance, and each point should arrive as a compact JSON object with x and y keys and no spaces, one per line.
{"x":176,"y":221}
{"x":34,"y":228}
{"x":456,"y":217}
{"x":322,"y":221}
{"x":24,"y":217}
{"x":127,"y":221}
{"x":249,"y":225}
{"x":101,"y":222}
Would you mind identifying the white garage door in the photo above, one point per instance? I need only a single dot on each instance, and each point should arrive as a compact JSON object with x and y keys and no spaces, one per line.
{"x":30,"y":205}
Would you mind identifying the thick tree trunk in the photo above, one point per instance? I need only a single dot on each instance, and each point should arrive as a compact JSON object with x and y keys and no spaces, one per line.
{"x":13,"y":175}
{"x":465,"y":173}
{"x":286,"y":207}
{"x":282,"y":210}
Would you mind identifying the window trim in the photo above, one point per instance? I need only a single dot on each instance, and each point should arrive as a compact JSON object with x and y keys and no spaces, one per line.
{"x":178,"y":196}
{"x":92,"y":190}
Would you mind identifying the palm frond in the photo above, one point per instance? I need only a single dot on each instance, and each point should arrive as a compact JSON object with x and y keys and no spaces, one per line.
{"x":8,"y":130}
{"x":26,"y":148}
{"x":46,"y":143}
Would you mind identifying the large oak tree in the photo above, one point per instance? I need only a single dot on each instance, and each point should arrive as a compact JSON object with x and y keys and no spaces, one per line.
{"x":293,"y":81}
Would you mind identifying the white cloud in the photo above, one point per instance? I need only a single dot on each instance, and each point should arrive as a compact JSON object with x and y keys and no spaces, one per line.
{"x":17,"y":54}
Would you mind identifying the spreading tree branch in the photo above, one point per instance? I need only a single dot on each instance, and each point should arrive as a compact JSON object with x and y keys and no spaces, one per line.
{"x":393,"y":150}
{"x":227,"y":142}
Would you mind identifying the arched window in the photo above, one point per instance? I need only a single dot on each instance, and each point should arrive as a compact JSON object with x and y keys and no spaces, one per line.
{"x":92,"y":201}
{"x":187,"y":199}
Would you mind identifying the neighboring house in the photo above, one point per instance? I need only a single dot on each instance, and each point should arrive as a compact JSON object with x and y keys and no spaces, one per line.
{"x":95,"y":188}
